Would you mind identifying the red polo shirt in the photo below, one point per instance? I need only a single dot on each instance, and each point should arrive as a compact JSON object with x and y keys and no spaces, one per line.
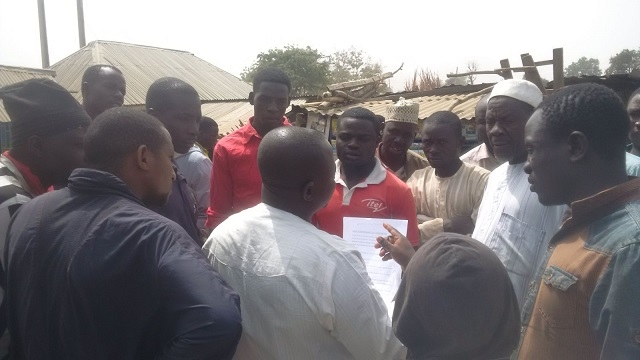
{"x":235,"y":179}
{"x":380,"y":195}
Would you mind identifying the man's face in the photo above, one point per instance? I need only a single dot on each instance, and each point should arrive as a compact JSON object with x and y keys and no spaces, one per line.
{"x":208,"y":138}
{"x":61,"y":154}
{"x":506,"y":119}
{"x":161,"y":174}
{"x":481,"y":122}
{"x":356,"y":141}
{"x":397,"y":137}
{"x":634,"y":117}
{"x":181,"y":118}
{"x":441,"y":144}
{"x":270,"y":101}
{"x":547,"y":163}
{"x":106,"y":91}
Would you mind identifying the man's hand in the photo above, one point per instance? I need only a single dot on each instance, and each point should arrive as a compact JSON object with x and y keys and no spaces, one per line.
{"x":395,"y":246}
{"x":459,"y":224}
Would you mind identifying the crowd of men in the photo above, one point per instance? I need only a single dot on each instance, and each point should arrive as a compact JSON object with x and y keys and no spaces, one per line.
{"x":131,"y":234}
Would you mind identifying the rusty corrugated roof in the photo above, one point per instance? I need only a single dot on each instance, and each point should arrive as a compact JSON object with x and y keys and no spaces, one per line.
{"x":142,"y":65}
{"x":13,"y":74}
{"x":428,"y":105}
{"x":233,"y":115}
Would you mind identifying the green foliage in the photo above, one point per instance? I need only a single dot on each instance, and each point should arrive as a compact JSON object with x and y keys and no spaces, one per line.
{"x":624,"y":62}
{"x":583,"y":66}
{"x":311,"y":71}
{"x":307,"y":68}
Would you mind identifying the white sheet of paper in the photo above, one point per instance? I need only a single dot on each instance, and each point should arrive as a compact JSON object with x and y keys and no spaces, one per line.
{"x":385,"y":275}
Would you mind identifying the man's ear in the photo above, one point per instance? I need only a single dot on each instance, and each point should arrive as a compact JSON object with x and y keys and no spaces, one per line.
{"x":143,"y":157}
{"x":83,"y":90}
{"x":578,"y":146}
{"x":251,"y":95}
{"x":307,"y":191}
{"x":35,"y":145}
{"x":152,"y":112}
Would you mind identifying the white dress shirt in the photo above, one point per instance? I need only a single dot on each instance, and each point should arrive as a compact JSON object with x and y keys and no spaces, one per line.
{"x":304,"y":294}
{"x":512,"y":222}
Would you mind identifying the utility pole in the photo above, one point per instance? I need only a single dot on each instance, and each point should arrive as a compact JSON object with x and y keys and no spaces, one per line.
{"x":83,"y":41}
{"x":44,"y":44}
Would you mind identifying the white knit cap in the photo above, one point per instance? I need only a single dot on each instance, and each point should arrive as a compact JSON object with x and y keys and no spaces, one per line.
{"x":403,"y":111}
{"x":522,"y":90}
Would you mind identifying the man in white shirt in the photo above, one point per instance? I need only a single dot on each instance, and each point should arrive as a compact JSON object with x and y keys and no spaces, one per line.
{"x":305,"y":294}
{"x":511,"y":221}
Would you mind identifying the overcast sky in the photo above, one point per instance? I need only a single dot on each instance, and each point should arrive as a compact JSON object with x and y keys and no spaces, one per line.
{"x":439,"y":35}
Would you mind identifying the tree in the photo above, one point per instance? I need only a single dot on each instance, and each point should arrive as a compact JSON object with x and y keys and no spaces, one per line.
{"x":352,"y":64}
{"x":624,"y":62}
{"x":455,"y":81}
{"x":583,"y":67}
{"x":307,"y":68}
{"x":423,"y":80}
{"x":471,"y":67}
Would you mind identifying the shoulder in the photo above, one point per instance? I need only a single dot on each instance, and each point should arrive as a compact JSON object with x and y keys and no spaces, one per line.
{"x":469,"y":155}
{"x":476,"y":172}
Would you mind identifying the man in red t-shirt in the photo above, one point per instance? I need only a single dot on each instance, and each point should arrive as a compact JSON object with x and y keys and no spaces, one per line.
{"x":364,"y":188}
{"x":235,"y":179}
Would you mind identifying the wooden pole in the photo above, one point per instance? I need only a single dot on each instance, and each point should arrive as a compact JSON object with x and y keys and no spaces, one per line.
{"x":507,"y":74}
{"x":558,"y":68}
{"x":81,"y":36}
{"x":532,"y":75}
{"x":44,"y":44}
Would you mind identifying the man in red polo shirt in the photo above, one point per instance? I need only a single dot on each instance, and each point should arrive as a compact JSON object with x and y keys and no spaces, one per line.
{"x":364,"y":187}
{"x":235,"y":179}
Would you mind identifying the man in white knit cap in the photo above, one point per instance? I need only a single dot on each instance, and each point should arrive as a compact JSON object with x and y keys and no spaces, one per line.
{"x":511,"y":221}
{"x":400,"y":129}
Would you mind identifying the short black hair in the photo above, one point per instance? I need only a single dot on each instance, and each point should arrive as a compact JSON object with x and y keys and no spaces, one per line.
{"x":444,"y":118}
{"x":93,"y":71}
{"x":162,"y":91}
{"x":362,"y":114}
{"x":592,"y":109}
{"x":207,"y":123}
{"x":119,"y":131}
{"x":271,"y":74}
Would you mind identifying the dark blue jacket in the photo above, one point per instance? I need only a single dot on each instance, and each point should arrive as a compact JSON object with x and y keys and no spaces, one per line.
{"x":93,"y":274}
{"x":181,"y":207}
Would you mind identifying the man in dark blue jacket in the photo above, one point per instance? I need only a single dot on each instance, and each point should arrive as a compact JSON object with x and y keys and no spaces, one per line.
{"x":93,"y":274}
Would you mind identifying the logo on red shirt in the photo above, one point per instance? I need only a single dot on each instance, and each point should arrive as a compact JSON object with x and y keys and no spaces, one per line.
{"x":374,"y":204}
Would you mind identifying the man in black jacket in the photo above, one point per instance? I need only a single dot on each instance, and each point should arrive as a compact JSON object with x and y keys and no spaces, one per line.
{"x":93,"y":274}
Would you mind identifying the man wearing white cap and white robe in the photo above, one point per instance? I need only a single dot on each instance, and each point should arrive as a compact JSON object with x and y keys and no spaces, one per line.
{"x":400,"y":129}
{"x":511,"y":221}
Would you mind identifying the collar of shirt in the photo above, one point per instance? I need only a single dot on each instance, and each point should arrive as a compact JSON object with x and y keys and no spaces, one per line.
{"x":34,"y":184}
{"x":377,"y":175}
{"x":598,"y":205}
{"x":483,"y":152}
{"x":248,"y":131}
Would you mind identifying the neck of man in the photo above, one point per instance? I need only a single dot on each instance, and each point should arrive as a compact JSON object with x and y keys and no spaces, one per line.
{"x":285,"y":202}
{"x":353,"y":175}
{"x":450,"y":170}
{"x":608,"y":179}
{"x":392,"y":161}
{"x":24,"y":158}
{"x":518,"y":159}
{"x":93,"y":113}
{"x":634,"y":150}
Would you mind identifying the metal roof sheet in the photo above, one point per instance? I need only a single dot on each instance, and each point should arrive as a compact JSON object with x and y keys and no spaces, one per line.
{"x":232,"y":115}
{"x":428,"y":105}
{"x":142,"y":65}
{"x":13,"y":74}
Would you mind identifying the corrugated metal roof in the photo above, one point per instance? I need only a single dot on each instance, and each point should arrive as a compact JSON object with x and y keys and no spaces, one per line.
{"x":428,"y":105}
{"x":142,"y":65}
{"x":233,"y":115}
{"x":12,"y":74}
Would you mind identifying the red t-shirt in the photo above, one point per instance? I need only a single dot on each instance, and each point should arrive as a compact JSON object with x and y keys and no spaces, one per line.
{"x":380,"y":195}
{"x":235,"y":178}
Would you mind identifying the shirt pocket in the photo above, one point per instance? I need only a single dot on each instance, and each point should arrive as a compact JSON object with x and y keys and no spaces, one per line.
{"x":558,"y":298}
